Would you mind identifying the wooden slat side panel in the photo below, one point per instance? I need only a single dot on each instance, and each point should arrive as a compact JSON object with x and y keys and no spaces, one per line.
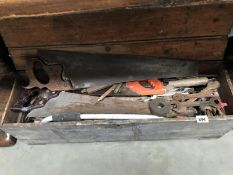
{"x":226,"y":90}
{"x":12,"y":8}
{"x":118,"y":25}
{"x":6,"y":84}
{"x":3,"y":68}
{"x":45,"y":134}
{"x":193,"y":49}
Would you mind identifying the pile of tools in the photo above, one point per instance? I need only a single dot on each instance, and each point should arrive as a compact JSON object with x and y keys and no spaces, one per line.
{"x":88,"y":86}
{"x":176,"y":98}
{"x":186,"y":97}
{"x":203,"y":102}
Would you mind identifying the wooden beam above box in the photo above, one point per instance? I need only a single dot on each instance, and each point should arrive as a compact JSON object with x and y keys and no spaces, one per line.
{"x":192,"y":49}
{"x":196,"y":30}
{"x":16,"y":8}
{"x":118,"y":25}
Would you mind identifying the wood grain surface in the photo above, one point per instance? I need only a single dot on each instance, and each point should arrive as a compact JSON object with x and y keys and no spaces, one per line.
{"x":194,"y":29}
{"x":120,"y":131}
{"x":14,"y":8}
{"x":118,"y":25}
{"x":191,"y":49}
{"x":6,"y":84}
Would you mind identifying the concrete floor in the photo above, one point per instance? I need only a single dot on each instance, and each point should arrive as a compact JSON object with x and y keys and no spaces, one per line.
{"x":177,"y":157}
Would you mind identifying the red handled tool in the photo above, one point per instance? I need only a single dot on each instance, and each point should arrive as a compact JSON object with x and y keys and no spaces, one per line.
{"x":157,"y":87}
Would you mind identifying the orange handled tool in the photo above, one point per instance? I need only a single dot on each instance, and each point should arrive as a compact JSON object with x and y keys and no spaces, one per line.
{"x":157,"y":87}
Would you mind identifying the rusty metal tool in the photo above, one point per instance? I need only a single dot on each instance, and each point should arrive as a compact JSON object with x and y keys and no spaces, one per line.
{"x":207,"y":100}
{"x":212,"y":104}
{"x":171,"y":108}
{"x":30,"y":99}
{"x":165,"y":108}
{"x":209,"y":91}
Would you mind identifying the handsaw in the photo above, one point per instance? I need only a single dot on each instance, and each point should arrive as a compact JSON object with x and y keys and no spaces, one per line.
{"x":76,"y":70}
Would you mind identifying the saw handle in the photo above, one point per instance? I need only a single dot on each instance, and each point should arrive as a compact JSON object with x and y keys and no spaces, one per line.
{"x":157,"y":87}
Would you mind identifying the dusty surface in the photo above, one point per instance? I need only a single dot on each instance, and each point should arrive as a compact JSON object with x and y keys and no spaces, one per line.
{"x":181,"y":157}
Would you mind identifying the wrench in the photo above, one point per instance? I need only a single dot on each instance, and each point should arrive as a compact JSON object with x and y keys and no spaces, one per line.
{"x":164,"y":108}
{"x":182,"y":106}
{"x":209,"y":91}
{"x":172,"y":108}
{"x":210,"y":107}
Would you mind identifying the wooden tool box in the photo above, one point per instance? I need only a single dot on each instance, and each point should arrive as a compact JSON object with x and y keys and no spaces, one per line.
{"x":179,"y":29}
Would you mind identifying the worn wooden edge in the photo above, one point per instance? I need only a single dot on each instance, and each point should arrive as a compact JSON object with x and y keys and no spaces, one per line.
{"x":25,"y":8}
{"x":229,"y":81}
{"x":226,"y":90}
{"x":8,"y":115}
{"x":6,"y":89}
{"x":201,"y":48}
{"x":116,"y":122}
{"x":127,"y":131}
{"x":8,"y":104}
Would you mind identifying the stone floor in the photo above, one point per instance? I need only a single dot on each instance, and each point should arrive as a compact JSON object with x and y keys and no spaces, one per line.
{"x":176,"y":157}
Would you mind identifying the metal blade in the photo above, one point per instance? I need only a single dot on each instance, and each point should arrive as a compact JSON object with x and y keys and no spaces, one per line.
{"x":86,"y":70}
{"x":68,"y":102}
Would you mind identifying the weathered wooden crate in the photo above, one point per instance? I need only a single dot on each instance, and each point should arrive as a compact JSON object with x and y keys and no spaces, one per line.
{"x":194,"y":29}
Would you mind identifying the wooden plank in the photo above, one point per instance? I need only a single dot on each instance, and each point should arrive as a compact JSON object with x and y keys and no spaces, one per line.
{"x":15,"y":89}
{"x":4,"y":70}
{"x":14,"y":8}
{"x":76,"y":132}
{"x":4,"y":55}
{"x":226,"y":91}
{"x":193,"y":49}
{"x":118,"y":25}
{"x":6,"y":84}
